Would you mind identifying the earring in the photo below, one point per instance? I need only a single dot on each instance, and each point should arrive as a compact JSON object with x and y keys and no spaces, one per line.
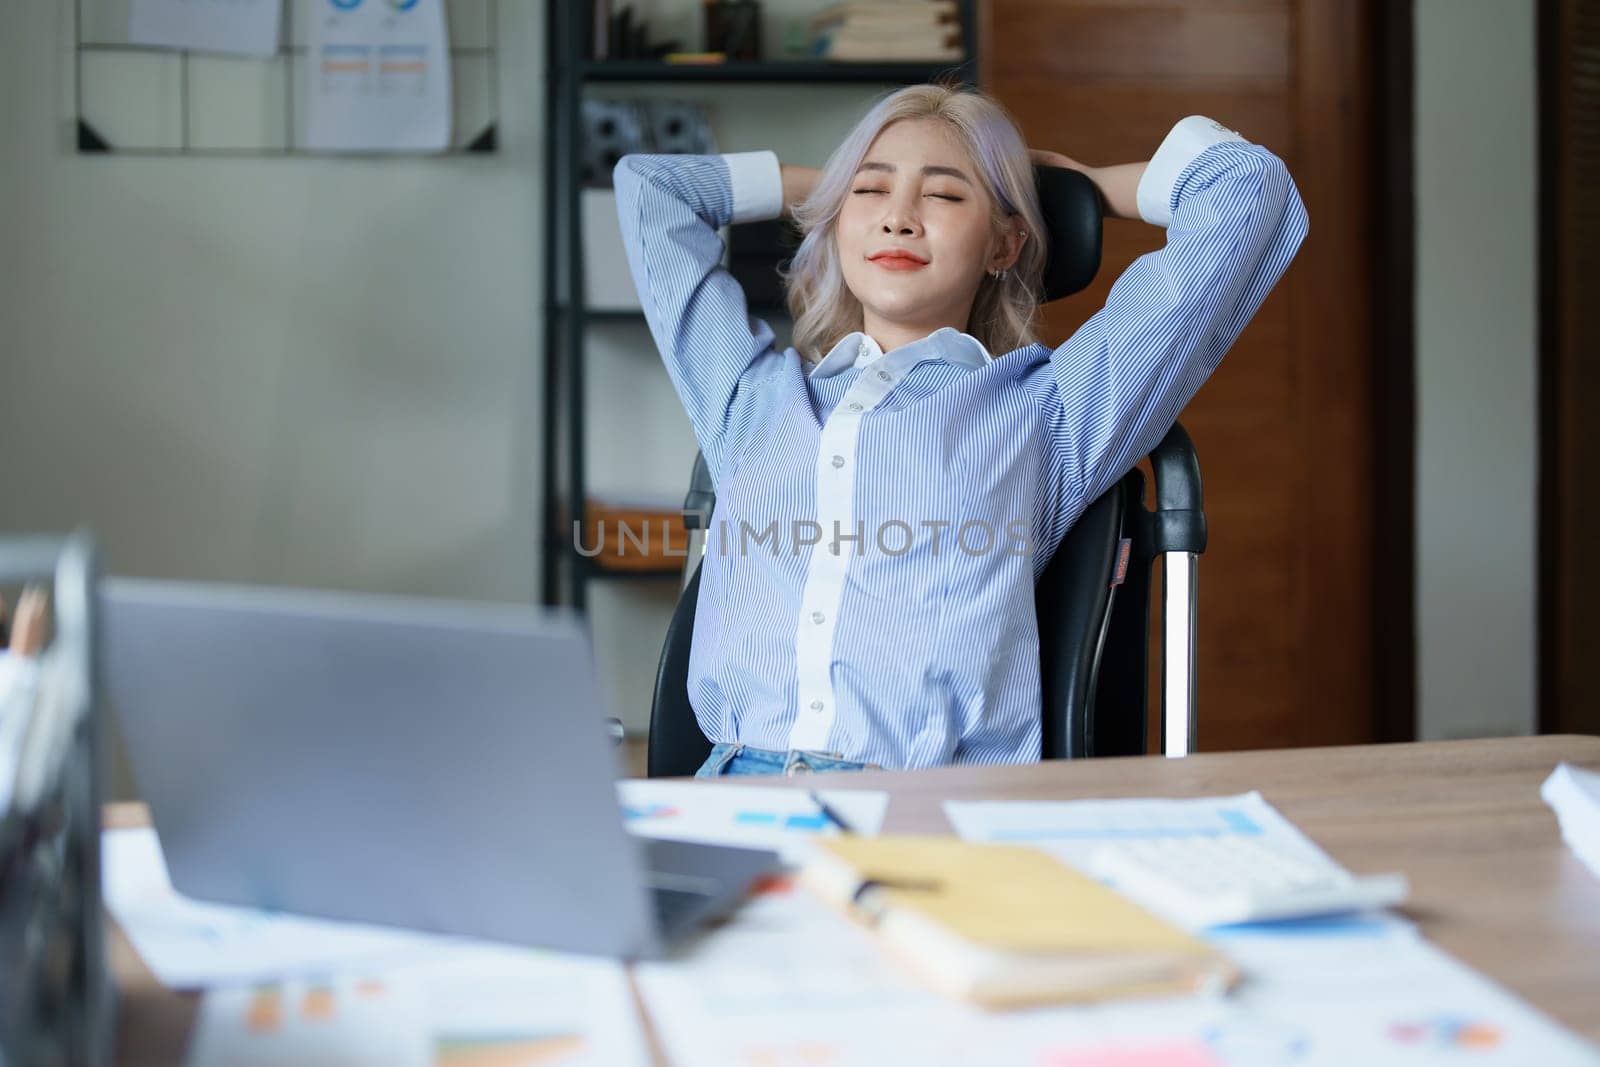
{"x":998,"y":275}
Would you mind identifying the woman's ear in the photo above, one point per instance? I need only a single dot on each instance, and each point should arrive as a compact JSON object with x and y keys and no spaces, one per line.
{"x":1009,"y":246}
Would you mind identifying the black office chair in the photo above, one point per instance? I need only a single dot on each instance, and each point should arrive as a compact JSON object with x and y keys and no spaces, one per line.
{"x":1093,"y":599}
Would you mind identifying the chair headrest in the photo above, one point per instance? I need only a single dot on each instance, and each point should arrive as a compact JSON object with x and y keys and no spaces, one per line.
{"x":1072,"y":218}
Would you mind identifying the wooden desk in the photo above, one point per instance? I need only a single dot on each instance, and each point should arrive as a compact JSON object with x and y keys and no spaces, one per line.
{"x":1491,"y":881}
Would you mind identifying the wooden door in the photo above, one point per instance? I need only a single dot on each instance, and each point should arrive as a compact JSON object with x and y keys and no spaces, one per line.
{"x":1285,"y":429}
{"x":1569,"y":574}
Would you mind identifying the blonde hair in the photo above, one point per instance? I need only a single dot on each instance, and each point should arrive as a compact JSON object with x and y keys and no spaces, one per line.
{"x":1003,"y":311}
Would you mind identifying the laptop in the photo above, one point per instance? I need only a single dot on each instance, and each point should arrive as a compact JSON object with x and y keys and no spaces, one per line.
{"x":433,"y":765}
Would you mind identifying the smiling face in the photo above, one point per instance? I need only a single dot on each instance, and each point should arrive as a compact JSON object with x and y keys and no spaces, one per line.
{"x":915,"y":234}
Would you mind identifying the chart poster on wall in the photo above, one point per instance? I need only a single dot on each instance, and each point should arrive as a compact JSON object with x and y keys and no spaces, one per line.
{"x":236,"y":27}
{"x":377,"y":76}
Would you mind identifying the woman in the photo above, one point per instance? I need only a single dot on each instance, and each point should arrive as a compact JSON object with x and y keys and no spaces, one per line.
{"x":889,"y":487}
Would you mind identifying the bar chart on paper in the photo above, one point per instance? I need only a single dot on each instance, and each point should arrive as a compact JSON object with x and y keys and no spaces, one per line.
{"x":506,"y":1050}
{"x":747,"y":816}
{"x":808,"y":822}
{"x":469,"y":1007}
{"x":378,"y":77}
{"x":361,"y":1021}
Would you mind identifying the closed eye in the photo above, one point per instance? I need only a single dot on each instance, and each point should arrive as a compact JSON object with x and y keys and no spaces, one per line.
{"x":936,"y":196}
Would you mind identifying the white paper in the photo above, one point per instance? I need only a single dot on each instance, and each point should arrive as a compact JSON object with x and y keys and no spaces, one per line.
{"x":188,"y":944}
{"x":377,"y":76}
{"x":784,"y":820}
{"x":1574,"y":795}
{"x":790,"y":981}
{"x":240,"y":27}
{"x":1071,"y":830}
{"x":1373,"y":991}
{"x":467,"y":1006}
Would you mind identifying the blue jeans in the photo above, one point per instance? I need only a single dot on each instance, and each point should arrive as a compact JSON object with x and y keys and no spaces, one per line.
{"x":735,"y":759}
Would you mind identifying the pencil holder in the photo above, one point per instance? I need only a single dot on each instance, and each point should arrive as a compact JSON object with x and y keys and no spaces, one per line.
{"x":55,"y":1003}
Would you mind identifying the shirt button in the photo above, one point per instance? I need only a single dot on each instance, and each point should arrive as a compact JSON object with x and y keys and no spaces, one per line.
{"x":854,"y":406}
{"x":838,"y":461}
{"x":883,"y":375}
{"x":816,"y":705}
{"x":798,"y":768}
{"x":817,"y":617}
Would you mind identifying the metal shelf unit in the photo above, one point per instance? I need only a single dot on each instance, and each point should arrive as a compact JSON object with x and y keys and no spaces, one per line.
{"x":564,"y":572}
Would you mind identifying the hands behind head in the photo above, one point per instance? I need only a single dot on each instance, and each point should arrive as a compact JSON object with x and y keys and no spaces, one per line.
{"x":1118,"y":185}
{"x":1056,"y":159}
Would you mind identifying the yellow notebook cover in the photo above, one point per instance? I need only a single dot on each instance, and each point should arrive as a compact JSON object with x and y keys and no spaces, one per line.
{"x":1006,"y":924}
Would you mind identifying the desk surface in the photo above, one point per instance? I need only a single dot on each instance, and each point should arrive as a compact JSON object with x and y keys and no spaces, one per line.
{"x":1491,"y":881}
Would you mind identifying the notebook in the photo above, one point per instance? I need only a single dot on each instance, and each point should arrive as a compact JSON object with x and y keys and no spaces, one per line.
{"x":1008,"y":925}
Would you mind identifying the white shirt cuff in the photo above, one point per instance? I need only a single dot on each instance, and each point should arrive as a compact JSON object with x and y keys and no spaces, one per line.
{"x":757,"y":185}
{"x":1184,"y":143}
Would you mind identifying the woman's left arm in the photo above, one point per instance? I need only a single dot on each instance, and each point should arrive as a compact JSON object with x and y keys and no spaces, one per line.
{"x":1118,"y":185}
{"x":1234,"y":221}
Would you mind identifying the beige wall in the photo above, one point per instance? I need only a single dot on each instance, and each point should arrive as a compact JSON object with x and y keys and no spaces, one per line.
{"x":302,"y":371}
{"x":1477,"y":366}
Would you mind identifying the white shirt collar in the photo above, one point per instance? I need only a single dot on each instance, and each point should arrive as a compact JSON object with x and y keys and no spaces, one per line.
{"x":857,"y":349}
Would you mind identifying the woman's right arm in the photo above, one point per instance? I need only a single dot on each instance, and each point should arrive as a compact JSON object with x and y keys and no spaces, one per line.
{"x":797,"y":183}
{"x":670,"y":208}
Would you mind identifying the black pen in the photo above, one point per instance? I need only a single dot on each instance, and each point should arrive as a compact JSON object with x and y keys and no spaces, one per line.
{"x":829,"y":814}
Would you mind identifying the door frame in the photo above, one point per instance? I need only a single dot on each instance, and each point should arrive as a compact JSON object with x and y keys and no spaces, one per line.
{"x":1394,"y":572}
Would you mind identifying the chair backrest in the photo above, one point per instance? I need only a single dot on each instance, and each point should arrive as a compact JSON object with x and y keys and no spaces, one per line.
{"x":1073,"y":601}
{"x":677,"y":748}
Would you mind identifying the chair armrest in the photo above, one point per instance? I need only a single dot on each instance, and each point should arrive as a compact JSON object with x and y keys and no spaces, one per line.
{"x":1178,"y":523}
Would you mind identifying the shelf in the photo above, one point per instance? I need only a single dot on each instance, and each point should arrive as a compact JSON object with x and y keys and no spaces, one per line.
{"x":600,"y":572}
{"x":570,"y":326}
{"x":605,"y":314}
{"x":636,"y":315}
{"x":658,"y":543}
{"x":651,"y":70}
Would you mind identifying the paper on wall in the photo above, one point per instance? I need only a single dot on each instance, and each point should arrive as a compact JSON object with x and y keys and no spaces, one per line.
{"x":238,"y":27}
{"x":377,"y":76}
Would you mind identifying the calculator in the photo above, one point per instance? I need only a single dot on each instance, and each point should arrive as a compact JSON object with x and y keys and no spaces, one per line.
{"x":1216,"y":880}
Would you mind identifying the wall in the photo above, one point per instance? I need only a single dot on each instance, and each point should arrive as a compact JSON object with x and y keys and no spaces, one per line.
{"x":302,"y":371}
{"x":1476,"y":366}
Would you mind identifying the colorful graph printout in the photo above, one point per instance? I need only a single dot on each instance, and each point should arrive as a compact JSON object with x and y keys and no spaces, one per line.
{"x":783,"y":820}
{"x":377,"y":76}
{"x":472,"y":1006}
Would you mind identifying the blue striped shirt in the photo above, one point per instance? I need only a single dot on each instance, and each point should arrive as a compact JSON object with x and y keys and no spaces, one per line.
{"x":881,"y":518}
